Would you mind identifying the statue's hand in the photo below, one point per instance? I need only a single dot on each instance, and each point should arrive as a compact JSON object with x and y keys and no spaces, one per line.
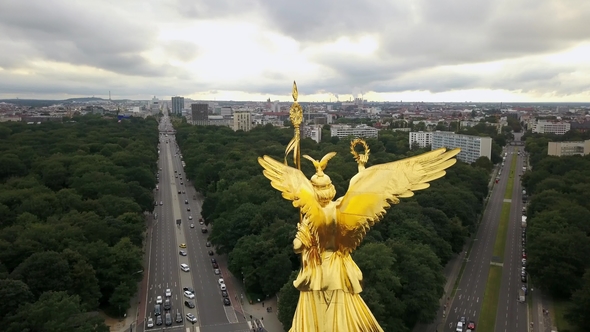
{"x":297,"y":245}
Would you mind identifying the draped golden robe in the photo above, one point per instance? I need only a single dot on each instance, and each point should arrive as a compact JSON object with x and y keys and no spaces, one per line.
{"x":329,"y":283}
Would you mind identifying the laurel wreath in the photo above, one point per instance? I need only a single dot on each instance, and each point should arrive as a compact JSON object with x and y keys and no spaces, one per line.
{"x":356,"y":142}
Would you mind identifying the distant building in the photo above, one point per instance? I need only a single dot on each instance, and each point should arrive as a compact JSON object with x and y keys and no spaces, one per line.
{"x":422,"y":138}
{"x":580,"y":126}
{"x":200,"y":114}
{"x":472,"y":147}
{"x":546,"y":127}
{"x":242,"y":121}
{"x":154,"y":106}
{"x":40,"y":118}
{"x":218,"y":120}
{"x":562,"y":149}
{"x":343,"y":131}
{"x":177,"y":105}
{"x":226,"y":111}
{"x":313,"y":131}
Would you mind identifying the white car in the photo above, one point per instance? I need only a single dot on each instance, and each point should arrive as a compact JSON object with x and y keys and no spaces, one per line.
{"x":191,"y":318}
{"x":168,"y":292}
{"x":222,"y":287}
{"x":159,"y":300}
{"x":190,"y":217}
{"x":189,"y":294}
{"x":150,"y":322}
{"x":184,"y":267}
{"x":221,"y":281}
{"x":192,"y":225}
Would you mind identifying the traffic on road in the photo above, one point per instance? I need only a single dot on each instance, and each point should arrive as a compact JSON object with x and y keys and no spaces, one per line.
{"x":185,"y":289}
{"x":462,"y":311}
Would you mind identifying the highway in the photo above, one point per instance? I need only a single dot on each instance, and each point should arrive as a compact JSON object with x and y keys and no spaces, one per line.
{"x":468,"y":299}
{"x":164,"y":258}
{"x":511,"y":314}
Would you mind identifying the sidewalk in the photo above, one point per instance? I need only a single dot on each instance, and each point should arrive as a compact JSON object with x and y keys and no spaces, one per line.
{"x":242,"y":306}
{"x":542,"y":322}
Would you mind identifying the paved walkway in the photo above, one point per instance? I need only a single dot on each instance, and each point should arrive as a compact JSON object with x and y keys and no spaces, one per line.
{"x":542,"y":312}
{"x":258,"y":310}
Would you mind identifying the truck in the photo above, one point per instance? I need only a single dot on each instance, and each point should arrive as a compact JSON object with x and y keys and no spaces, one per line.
{"x":523,"y":223}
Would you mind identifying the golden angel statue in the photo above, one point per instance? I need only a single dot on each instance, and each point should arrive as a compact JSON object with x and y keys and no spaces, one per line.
{"x":329,"y":280}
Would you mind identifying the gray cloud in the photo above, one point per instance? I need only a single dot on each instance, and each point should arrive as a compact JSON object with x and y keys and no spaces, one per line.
{"x":70,"y":32}
{"x":416,"y":38}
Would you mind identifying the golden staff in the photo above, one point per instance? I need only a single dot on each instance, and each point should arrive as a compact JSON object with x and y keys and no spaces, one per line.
{"x":296,"y":116}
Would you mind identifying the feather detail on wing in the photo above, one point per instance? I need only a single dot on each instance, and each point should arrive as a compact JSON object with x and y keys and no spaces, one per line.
{"x":376,"y":188}
{"x":293,"y":185}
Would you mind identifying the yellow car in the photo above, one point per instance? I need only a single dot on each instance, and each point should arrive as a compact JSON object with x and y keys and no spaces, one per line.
{"x":182,"y":245}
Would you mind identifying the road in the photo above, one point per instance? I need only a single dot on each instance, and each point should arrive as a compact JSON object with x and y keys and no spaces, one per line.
{"x":511,"y":314}
{"x":469,"y":296}
{"x":164,"y":259}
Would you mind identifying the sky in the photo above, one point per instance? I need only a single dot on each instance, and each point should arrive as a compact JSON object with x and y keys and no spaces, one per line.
{"x":381,"y":50}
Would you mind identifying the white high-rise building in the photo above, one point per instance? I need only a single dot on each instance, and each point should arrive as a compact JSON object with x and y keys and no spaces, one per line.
{"x":472,"y":147}
{"x":422,"y":138}
{"x":343,"y":131}
{"x":546,"y":127}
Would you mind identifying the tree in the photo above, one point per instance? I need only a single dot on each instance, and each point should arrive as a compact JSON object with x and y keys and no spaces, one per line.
{"x":119,"y":301}
{"x":44,"y":271}
{"x":484,"y":163}
{"x":421,"y":281}
{"x":288,"y":298}
{"x":13,"y":293}
{"x":377,"y":261}
{"x":54,"y":312}
{"x":579,"y":311}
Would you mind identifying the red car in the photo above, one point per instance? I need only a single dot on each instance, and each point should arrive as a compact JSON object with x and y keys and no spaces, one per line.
{"x":471,"y":325}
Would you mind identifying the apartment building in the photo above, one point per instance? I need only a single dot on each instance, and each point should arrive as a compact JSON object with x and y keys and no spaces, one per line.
{"x":312,"y":131}
{"x":472,"y":147}
{"x":343,"y":131}
{"x":422,"y":138}
{"x":562,"y":149}
{"x":547,"y":127}
{"x":242,"y":120}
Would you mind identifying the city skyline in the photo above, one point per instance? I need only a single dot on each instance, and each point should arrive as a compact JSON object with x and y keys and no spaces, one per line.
{"x":443,"y":51}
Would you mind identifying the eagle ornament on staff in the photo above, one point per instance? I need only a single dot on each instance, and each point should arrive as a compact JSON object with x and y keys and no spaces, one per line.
{"x":329,"y":280}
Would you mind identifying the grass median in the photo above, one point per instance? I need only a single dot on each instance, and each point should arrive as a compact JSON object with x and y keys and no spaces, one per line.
{"x":489,"y":308}
{"x":510,"y":184}
{"x":487,"y":320}
{"x":500,"y":243}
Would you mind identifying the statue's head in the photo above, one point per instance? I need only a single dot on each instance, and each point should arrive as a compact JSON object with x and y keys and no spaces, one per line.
{"x":322,"y":184}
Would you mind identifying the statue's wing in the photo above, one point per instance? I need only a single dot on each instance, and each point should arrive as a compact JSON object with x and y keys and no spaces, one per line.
{"x":376,"y":188}
{"x":293,"y":184}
